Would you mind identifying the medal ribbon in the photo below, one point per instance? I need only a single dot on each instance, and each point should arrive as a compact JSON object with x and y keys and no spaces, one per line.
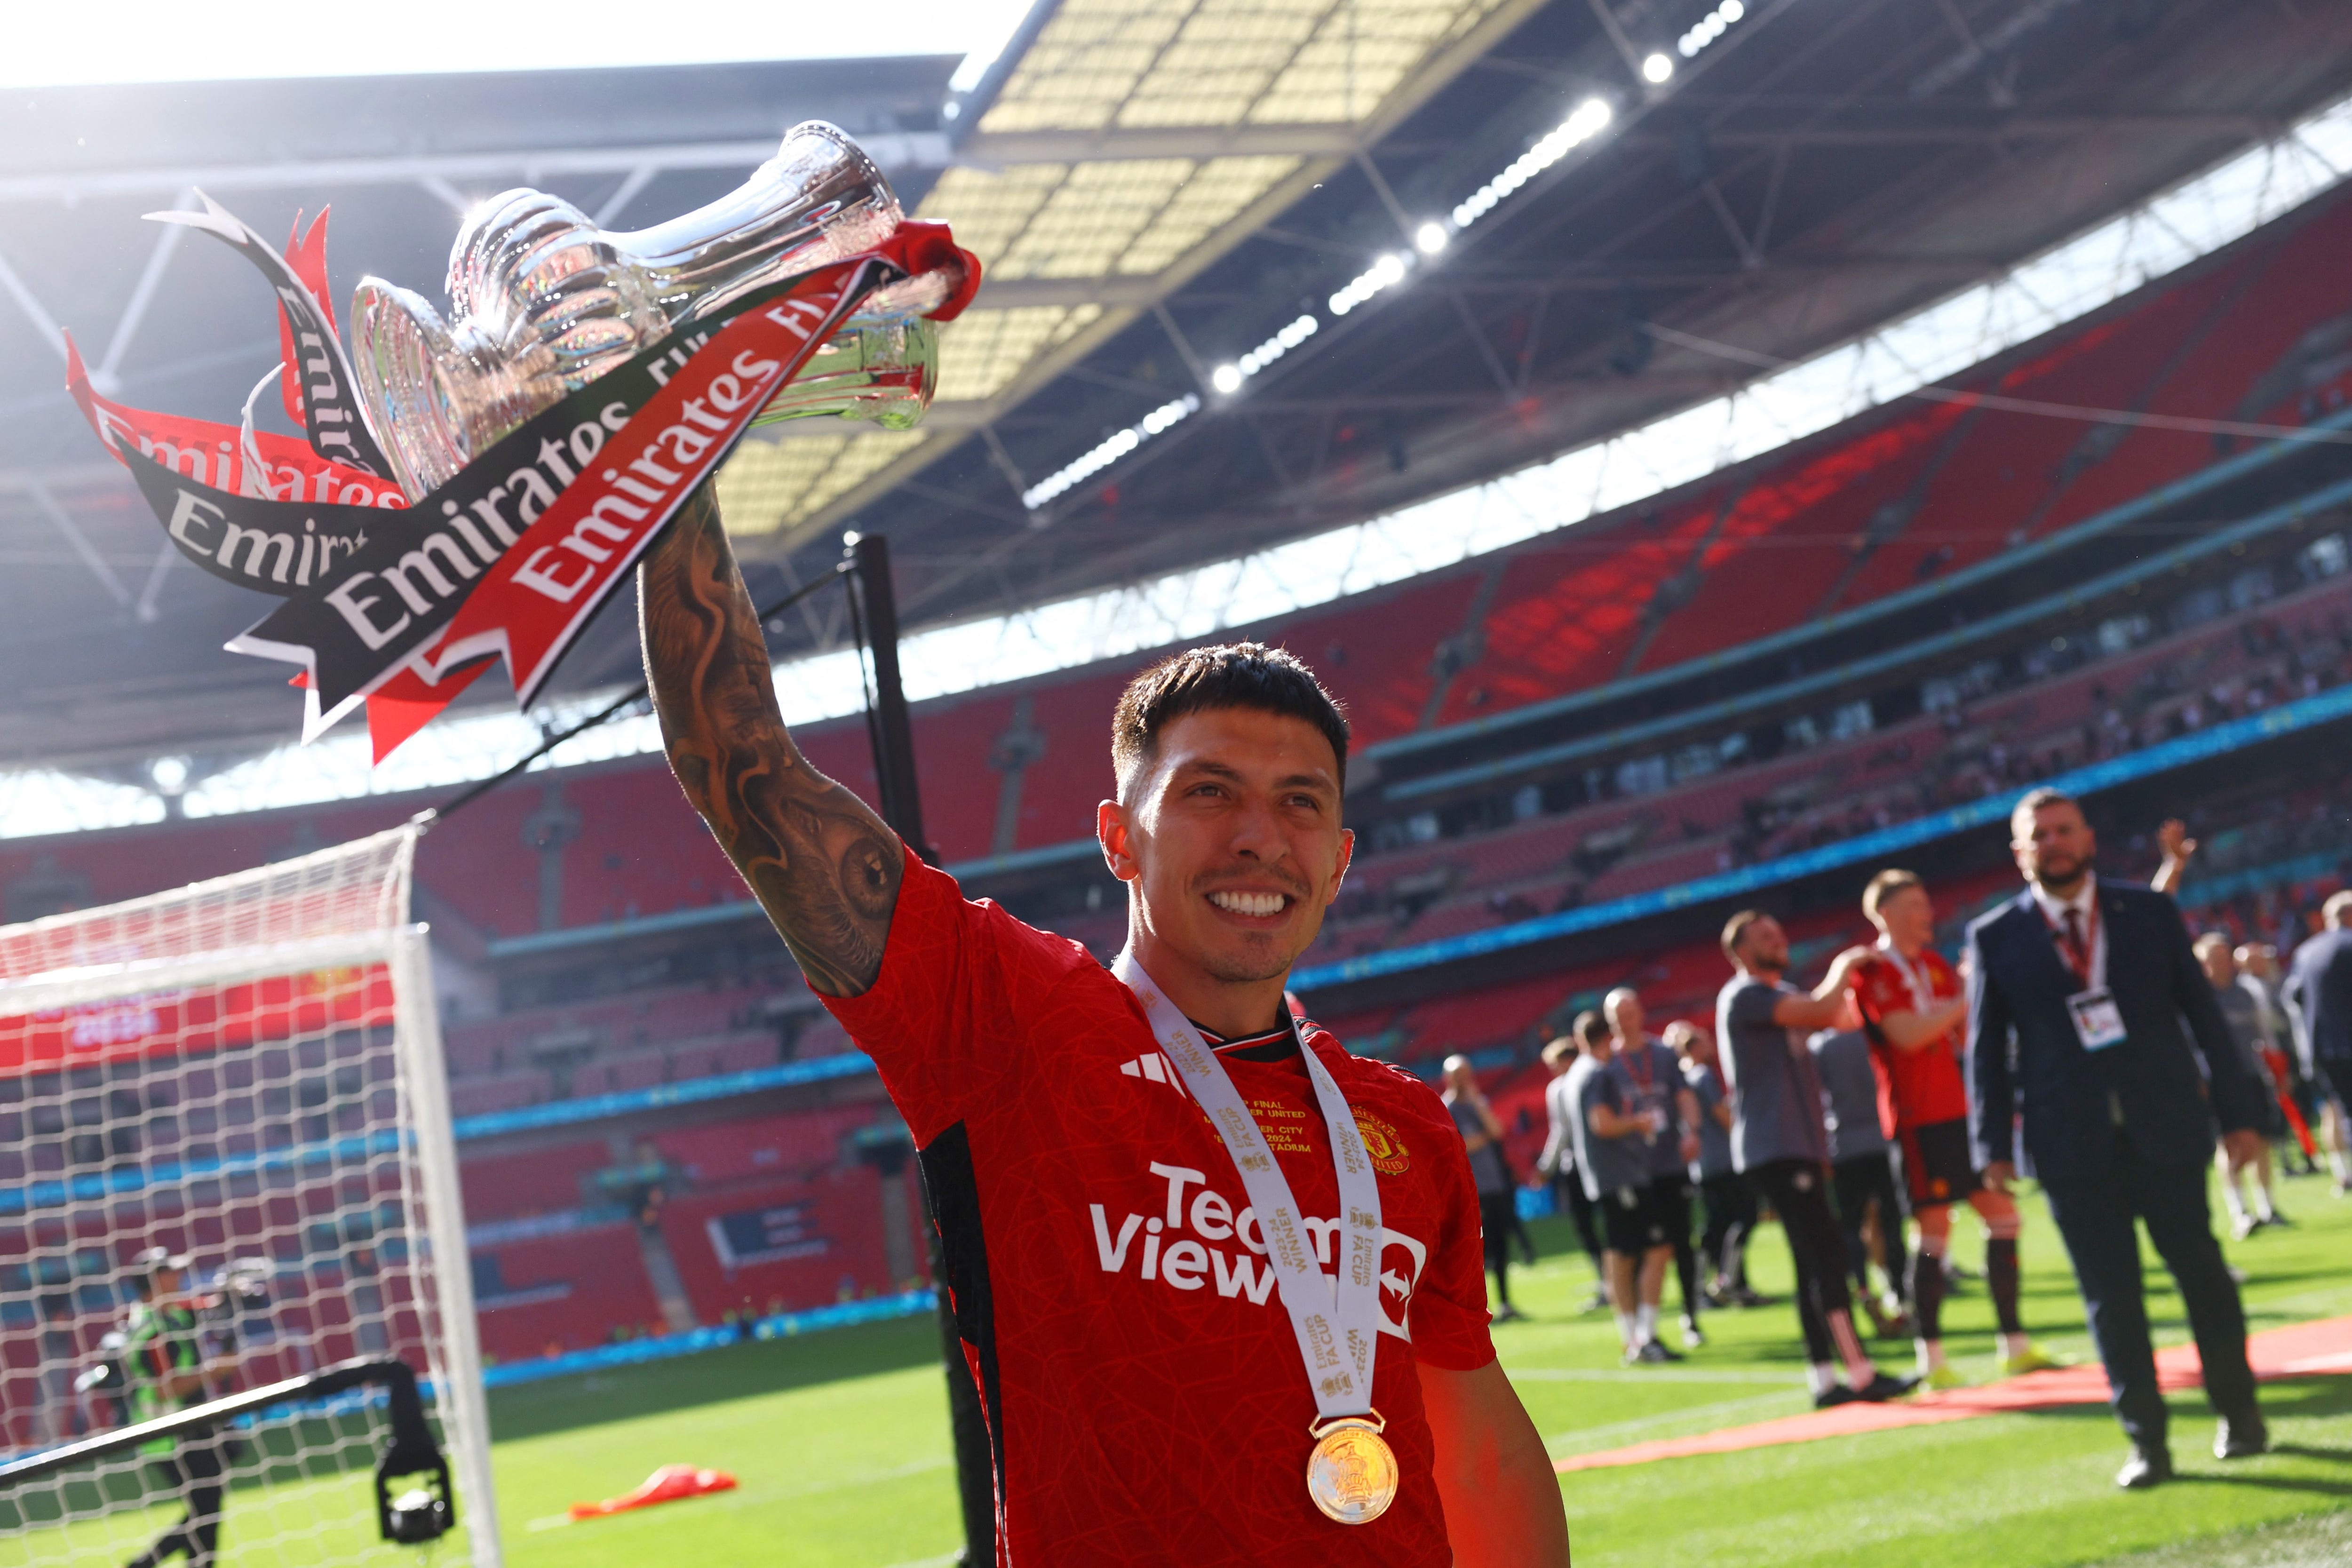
{"x":1923,"y":991}
{"x":1338,"y":1329}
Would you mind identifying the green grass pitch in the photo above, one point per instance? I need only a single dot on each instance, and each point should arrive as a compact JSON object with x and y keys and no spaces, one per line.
{"x":840,"y":1442}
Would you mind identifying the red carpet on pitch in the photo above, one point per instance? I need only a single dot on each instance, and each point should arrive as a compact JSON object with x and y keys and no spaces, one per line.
{"x":2301,"y":1350}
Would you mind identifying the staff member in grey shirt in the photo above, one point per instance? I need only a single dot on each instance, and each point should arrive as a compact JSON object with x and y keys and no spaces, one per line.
{"x":1482,"y":1136}
{"x":2317,"y":995}
{"x":1779,"y":1142}
{"x":1730,"y":1203}
{"x":1656,"y":1075}
{"x":2241,"y":1009}
{"x":1861,"y":1174}
{"x":1613,"y":1152}
{"x":1558,"y":1162}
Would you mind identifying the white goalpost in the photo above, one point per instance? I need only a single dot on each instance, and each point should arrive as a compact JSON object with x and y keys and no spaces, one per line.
{"x":225,"y":1148}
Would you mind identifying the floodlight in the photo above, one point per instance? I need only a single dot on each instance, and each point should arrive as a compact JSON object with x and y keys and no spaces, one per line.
{"x":1226,"y":378}
{"x":1431,"y":237}
{"x":1657,"y":68}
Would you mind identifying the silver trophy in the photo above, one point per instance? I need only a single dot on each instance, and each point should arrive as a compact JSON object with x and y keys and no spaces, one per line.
{"x":546,"y":302}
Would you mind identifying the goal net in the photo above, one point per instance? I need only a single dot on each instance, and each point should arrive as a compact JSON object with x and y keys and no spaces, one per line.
{"x":233,"y":1263}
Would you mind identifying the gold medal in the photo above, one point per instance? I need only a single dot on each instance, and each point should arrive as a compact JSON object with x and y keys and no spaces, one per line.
{"x":1353,"y":1473}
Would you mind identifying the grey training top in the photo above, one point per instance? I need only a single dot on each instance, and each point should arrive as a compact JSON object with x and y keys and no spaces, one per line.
{"x":2243,"y":1011}
{"x":1605,"y":1164}
{"x":1487,"y":1165}
{"x":1714,"y":1140}
{"x":1849,"y":1093}
{"x":1776,"y":1095}
{"x":1560,"y":1138}
{"x":1649,"y":1074}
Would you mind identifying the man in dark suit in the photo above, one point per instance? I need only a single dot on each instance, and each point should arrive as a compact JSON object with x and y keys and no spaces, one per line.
{"x":2078,"y":992}
{"x":2318,"y":993}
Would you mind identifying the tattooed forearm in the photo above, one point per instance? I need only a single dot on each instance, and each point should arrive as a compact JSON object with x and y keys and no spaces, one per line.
{"x":822,"y":865}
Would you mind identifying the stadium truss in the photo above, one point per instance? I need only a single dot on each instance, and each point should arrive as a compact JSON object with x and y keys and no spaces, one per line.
{"x":1341,"y":261}
{"x":1899,"y":359}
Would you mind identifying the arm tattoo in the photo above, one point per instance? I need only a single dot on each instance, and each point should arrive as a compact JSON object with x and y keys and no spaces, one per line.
{"x":821,"y":864}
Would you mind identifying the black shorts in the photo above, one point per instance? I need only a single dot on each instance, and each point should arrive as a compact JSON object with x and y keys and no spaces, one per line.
{"x":1632,"y":1220}
{"x":1671,"y":1195}
{"x":1938,"y":1166}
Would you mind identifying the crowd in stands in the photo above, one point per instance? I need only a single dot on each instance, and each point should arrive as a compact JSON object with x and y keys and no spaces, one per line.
{"x":1996,"y":725}
{"x":1901,"y":502}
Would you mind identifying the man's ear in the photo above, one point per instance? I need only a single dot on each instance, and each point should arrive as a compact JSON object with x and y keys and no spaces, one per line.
{"x":1346,"y":855}
{"x":1112,"y":830}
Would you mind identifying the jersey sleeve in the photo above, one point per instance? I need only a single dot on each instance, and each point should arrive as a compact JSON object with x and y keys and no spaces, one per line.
{"x":1449,"y":1309}
{"x":946,"y":1019}
{"x":1879,"y":991}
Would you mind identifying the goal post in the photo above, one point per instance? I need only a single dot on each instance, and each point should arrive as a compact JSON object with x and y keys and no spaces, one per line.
{"x":225,"y":1145}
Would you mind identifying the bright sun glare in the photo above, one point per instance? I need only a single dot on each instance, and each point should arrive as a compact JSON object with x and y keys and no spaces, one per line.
{"x":170,"y":40}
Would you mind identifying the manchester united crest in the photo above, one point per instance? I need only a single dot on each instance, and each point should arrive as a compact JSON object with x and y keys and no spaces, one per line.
{"x":1390,"y":1156}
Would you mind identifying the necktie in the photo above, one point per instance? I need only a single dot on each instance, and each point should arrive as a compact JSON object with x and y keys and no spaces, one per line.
{"x":2078,"y":956}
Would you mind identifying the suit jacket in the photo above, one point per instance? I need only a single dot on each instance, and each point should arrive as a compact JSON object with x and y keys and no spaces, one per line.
{"x":2023,"y":1054}
{"x":2319,"y":988}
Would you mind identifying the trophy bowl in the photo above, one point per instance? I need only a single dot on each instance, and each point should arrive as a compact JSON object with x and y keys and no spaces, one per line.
{"x":545,"y":302}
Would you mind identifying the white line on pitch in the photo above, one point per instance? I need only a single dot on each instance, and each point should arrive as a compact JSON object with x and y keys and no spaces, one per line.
{"x":1583,"y":1441}
{"x":1649,"y":1375}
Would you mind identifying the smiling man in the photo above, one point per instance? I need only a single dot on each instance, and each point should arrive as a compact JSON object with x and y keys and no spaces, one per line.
{"x":1218,"y":1280}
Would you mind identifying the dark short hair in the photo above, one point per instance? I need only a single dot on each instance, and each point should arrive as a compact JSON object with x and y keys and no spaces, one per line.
{"x":1735,"y":928}
{"x":1230,"y":675}
{"x":2034,"y":800}
{"x":1884,"y":886}
{"x":1591,"y":1027}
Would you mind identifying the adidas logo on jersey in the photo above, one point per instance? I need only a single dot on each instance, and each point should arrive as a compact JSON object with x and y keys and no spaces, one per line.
{"x":1151,"y":1065}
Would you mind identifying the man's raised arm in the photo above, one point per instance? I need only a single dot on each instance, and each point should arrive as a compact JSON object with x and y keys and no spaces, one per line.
{"x":821,"y":864}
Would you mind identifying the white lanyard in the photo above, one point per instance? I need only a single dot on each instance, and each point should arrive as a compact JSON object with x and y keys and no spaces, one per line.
{"x":1923,"y":990}
{"x":1338,"y":1329}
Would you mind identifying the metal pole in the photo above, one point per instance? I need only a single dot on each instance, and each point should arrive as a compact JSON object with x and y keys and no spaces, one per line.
{"x":894,"y":731}
{"x":464,"y":1409}
{"x":902,"y":808}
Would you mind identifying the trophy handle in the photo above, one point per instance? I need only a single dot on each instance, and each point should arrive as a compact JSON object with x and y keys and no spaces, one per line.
{"x":819,"y":199}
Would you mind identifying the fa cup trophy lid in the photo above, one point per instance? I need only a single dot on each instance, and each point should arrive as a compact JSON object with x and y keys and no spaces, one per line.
{"x":545,"y":302}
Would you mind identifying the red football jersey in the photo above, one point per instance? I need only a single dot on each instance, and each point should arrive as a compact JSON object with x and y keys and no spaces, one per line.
{"x":1916,"y":1089}
{"x":1145,"y":1395}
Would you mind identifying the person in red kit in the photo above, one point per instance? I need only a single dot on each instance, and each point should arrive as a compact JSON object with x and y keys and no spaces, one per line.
{"x":1915,"y":1011}
{"x":1218,"y":1280}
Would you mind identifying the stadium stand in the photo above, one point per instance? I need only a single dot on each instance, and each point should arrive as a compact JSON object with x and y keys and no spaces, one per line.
{"x":821,"y":1239}
{"x":1745,"y":581}
{"x":565,"y":1291}
{"x":542,"y":1181}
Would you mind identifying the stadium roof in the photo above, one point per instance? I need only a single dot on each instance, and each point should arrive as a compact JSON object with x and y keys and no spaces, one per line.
{"x":1348,"y":327}
{"x":1118,"y":149}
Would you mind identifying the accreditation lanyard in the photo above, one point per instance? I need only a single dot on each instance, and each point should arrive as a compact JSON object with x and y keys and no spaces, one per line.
{"x":1645,"y":1086}
{"x":1337,"y":1328}
{"x":2094,"y":938}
